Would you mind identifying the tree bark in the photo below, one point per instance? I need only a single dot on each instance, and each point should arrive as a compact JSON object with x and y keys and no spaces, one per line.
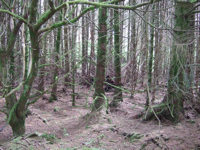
{"x":101,"y":59}
{"x":117,"y":62}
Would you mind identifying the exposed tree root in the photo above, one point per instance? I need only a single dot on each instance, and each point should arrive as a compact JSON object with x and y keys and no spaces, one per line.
{"x":155,"y":112}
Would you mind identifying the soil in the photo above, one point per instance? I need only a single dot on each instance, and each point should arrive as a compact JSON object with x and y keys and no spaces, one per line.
{"x":59,"y":126}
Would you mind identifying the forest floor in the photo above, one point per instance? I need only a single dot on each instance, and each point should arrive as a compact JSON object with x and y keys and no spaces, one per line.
{"x":59,"y":126}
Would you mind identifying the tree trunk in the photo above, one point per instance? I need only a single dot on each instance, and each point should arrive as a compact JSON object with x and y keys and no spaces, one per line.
{"x":144,"y":50}
{"x":84,"y":46}
{"x":101,"y":59}
{"x":55,"y":75}
{"x":16,"y":117}
{"x":92,"y":53}
{"x":133,"y":53}
{"x":118,"y":91}
{"x":110,"y":62}
{"x":157,"y":58}
{"x":197,"y":75}
{"x":67,"y":61}
{"x":176,"y":90}
{"x":41,"y":87}
{"x":151,"y":49}
{"x":182,"y":38}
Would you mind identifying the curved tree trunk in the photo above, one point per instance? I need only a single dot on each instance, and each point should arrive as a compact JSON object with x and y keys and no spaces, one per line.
{"x":16,"y":117}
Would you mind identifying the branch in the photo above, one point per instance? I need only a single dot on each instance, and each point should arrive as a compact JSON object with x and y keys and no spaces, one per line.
{"x":94,"y":5}
{"x":194,"y":12}
{"x":6,"y":4}
{"x":35,"y":98}
{"x":14,"y":15}
{"x":53,"y":10}
{"x":14,"y":90}
{"x":46,"y":16}
{"x":65,"y":22}
{"x":106,"y":5}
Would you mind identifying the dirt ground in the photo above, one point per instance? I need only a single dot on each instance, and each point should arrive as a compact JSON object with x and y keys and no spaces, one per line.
{"x":59,"y":126}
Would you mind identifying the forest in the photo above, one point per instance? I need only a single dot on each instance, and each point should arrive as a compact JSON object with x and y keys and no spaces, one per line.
{"x":99,"y":75}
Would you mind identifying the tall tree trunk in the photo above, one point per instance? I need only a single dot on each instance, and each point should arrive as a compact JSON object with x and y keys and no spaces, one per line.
{"x":177,"y":90}
{"x":197,"y":76}
{"x":92,"y":53}
{"x":182,"y":38}
{"x":129,"y":29}
{"x":110,"y":62}
{"x":67,"y":61}
{"x":73,"y":65}
{"x":117,"y":62}
{"x":73,"y":58}
{"x":84,"y":46}
{"x":56,"y":61}
{"x":144,"y":50}
{"x":190,"y":59}
{"x":43,"y":54}
{"x":151,"y":49}
{"x":157,"y":60}
{"x":101,"y":59}
{"x":86,"y":42}
{"x":133,"y":53}
{"x":41,"y":87}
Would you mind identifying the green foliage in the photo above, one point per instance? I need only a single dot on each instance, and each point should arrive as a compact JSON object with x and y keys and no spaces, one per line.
{"x":193,"y":1}
{"x":92,"y":148}
{"x":56,"y":109}
{"x":109,"y":120}
{"x":134,"y":137}
{"x":50,"y":137}
{"x":17,"y":139}
{"x":65,"y":133}
{"x":73,"y":148}
{"x":17,"y":144}
{"x":89,"y":142}
{"x":191,"y":121}
{"x":11,"y":113}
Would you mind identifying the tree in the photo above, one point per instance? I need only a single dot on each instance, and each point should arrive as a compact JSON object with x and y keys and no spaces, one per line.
{"x":84,"y":44}
{"x":172,"y":107}
{"x":133,"y":53}
{"x":67,"y":61}
{"x":158,"y":51}
{"x":36,"y":27}
{"x":101,"y":59}
{"x":92,"y":52}
{"x":117,"y":62}
{"x":56,"y":61}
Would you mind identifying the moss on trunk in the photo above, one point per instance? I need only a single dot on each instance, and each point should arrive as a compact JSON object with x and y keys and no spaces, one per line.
{"x":17,"y":121}
{"x":176,"y":92}
{"x":101,"y":59}
{"x":118,"y":91}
